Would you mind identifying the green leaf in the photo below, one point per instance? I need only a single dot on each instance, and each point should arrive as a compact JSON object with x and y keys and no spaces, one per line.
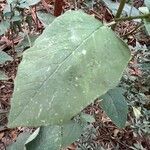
{"x":45,"y":18}
{"x":20,"y":142}
{"x":27,"y":3}
{"x":87,"y":118}
{"x":147,"y":3}
{"x":147,"y":25}
{"x":28,"y":41}
{"x":144,"y":10}
{"x":4,"y":57}
{"x":115,"y":106}
{"x":3,"y":76}
{"x":55,"y":137}
{"x":4,"y":25}
{"x":73,"y":62}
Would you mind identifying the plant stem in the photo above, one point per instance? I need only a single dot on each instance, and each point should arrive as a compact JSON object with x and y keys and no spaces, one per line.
{"x":119,"y":11}
{"x":132,"y":17}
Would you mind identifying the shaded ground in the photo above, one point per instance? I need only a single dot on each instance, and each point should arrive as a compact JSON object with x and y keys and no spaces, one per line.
{"x":103,"y":133}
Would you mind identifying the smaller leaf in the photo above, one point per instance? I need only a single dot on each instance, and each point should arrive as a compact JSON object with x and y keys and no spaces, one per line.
{"x":115,"y":106}
{"x":147,"y":3}
{"x":55,"y":137}
{"x":27,"y":3}
{"x":147,"y":25}
{"x":3,"y":76}
{"x":144,"y":10}
{"x":87,"y":118}
{"x":45,"y":18}
{"x":20,"y":142}
{"x":48,"y":138}
{"x":4,"y":25}
{"x":28,"y":41}
{"x":4,"y":57}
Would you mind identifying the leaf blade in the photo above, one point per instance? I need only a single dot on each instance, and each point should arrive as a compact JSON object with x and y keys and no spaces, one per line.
{"x":69,"y":69}
{"x":115,"y":106}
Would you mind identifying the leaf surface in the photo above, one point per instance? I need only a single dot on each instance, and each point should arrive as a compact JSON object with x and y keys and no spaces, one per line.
{"x":115,"y":106}
{"x":55,"y":137}
{"x":73,"y":62}
{"x":4,"y":57}
{"x":3,"y":76}
{"x":4,"y":25}
{"x":20,"y":142}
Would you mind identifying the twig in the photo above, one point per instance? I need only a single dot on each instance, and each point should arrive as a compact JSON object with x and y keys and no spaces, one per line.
{"x":3,"y":112}
{"x":132,"y":31}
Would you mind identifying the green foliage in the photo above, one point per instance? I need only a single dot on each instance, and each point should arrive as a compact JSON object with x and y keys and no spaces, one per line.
{"x":147,"y":3}
{"x":45,"y":18}
{"x":49,"y":137}
{"x":4,"y":57}
{"x":73,"y":62}
{"x":20,"y":142}
{"x":145,"y":10}
{"x":14,"y":16}
{"x":4,"y":25}
{"x":115,"y":106}
{"x":56,"y":137}
{"x":3,"y":76}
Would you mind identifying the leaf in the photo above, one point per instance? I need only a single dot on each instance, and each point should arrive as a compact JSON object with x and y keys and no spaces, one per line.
{"x":4,"y":57}
{"x":20,"y":142}
{"x":45,"y":18}
{"x":87,"y":118}
{"x":28,"y":41}
{"x":55,"y":137}
{"x":4,"y":25}
{"x":115,"y":106}
{"x":3,"y":76}
{"x":147,"y":25}
{"x":73,"y":62}
{"x":27,"y":3}
{"x":147,"y":3}
{"x":144,"y":10}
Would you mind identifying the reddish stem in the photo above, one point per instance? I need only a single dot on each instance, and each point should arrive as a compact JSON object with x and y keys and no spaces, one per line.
{"x":58,"y":7}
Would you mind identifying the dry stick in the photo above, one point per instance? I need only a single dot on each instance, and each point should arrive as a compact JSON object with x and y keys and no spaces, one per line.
{"x":58,"y":7}
{"x":119,"y":11}
{"x":132,"y":31}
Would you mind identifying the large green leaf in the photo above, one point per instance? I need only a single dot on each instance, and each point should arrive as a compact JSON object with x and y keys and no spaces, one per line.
{"x":115,"y":106}
{"x":55,"y":137}
{"x":4,"y":57}
{"x":74,"y":61}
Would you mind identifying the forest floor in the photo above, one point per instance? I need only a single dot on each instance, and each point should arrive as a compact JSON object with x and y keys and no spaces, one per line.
{"x":102,"y":134}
